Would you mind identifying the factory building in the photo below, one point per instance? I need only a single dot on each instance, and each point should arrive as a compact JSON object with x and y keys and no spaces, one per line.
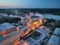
{"x":8,"y":34}
{"x":55,"y":38}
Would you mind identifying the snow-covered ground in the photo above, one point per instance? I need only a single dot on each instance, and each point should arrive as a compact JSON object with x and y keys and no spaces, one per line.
{"x":56,"y":17}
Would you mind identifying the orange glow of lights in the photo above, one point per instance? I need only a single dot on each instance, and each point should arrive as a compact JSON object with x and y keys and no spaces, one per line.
{"x":30,"y":20}
{"x":40,"y":21}
{"x":29,"y":25}
{"x":16,"y":42}
{"x":33,"y":27}
{"x":25,"y":43}
{"x":4,"y":35}
{"x":27,"y":31}
{"x":35,"y":24}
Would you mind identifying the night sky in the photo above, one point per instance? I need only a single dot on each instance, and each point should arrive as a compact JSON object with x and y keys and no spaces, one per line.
{"x":30,"y":3}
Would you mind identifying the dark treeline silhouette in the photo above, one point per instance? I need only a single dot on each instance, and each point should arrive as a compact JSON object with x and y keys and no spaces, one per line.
{"x":40,"y":10}
{"x":10,"y":20}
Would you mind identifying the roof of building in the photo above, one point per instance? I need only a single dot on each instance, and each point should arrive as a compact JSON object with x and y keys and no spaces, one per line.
{"x":24,"y":28}
{"x":57,"y":31}
{"x":53,"y":40}
{"x":5,"y":26}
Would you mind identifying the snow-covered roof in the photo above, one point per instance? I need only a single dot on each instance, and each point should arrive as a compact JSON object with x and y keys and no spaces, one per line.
{"x":5,"y":26}
{"x":54,"y":40}
{"x":24,"y":28}
{"x":57,"y":31}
